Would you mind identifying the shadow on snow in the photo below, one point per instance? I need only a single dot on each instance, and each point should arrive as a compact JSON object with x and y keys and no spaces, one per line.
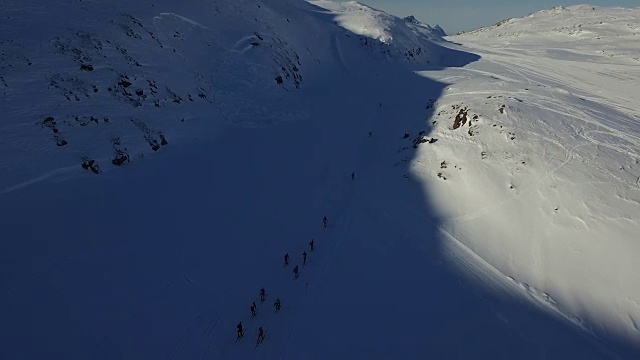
{"x":161,"y":259}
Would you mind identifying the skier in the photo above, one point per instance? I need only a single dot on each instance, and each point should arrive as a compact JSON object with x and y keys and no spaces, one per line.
{"x":286,"y":259}
{"x":353,"y":176}
{"x":263,"y":295}
{"x":277,"y":304}
{"x":304,"y":258}
{"x":369,"y":133}
{"x":254,"y":307}
{"x":312,"y":244}
{"x":325,"y":222}
{"x":240,"y":332}
{"x":260,"y":336}
{"x":295,"y":272}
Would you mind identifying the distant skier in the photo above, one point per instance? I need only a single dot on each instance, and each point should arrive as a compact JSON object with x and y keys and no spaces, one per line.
{"x":312,"y":244}
{"x":295,"y":272}
{"x":254,"y":308}
{"x":353,"y":176}
{"x":325,"y":222}
{"x":286,"y":259}
{"x":240,"y":331}
{"x":370,"y":133}
{"x":260,"y":336}
{"x":277,"y":304}
{"x":304,"y":258}
{"x":263,"y":295}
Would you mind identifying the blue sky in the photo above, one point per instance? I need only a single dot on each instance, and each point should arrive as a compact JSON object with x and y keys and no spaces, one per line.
{"x":464,"y":15}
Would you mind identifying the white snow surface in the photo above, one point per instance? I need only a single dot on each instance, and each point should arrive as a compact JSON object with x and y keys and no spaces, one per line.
{"x":548,"y":190}
{"x":237,"y":124}
{"x":396,"y":33}
{"x":361,"y":19}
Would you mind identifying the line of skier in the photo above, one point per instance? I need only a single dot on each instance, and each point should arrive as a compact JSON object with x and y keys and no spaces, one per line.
{"x":312,"y":246}
{"x":277,"y":303}
{"x":254,"y":310}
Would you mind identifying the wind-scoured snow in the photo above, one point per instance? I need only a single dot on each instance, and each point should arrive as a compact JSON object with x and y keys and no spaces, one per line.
{"x":160,"y":158}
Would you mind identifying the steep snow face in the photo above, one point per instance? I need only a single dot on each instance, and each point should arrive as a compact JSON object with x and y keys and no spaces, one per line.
{"x":537,"y":164}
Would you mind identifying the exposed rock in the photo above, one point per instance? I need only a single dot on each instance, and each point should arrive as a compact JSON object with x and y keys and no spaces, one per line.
{"x":421,"y":139}
{"x":90,"y":164}
{"x":412,"y":19}
{"x":163,"y":140}
{"x":461,"y":118}
{"x":49,"y":122}
{"x":120,"y":159}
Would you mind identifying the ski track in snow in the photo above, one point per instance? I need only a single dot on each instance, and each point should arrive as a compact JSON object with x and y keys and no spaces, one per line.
{"x":48,"y":175}
{"x":318,"y":284}
{"x":187,"y":20}
{"x":343,"y":190}
{"x":202,"y":319}
{"x":337,"y":54}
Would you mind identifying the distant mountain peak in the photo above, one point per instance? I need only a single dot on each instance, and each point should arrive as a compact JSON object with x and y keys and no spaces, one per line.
{"x":439,"y":30}
{"x":412,"y":19}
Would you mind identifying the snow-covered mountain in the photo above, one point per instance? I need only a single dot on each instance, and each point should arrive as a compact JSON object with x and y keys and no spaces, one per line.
{"x":94,"y":84}
{"x":159,"y":158}
{"x":588,"y":30}
{"x":436,"y":29}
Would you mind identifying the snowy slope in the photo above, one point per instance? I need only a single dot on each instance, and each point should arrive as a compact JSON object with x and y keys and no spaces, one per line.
{"x":543,"y":180}
{"x":397,"y":39}
{"x":121,"y":75}
{"x":215,"y":135}
{"x":97,"y":81}
{"x":581,"y":32}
